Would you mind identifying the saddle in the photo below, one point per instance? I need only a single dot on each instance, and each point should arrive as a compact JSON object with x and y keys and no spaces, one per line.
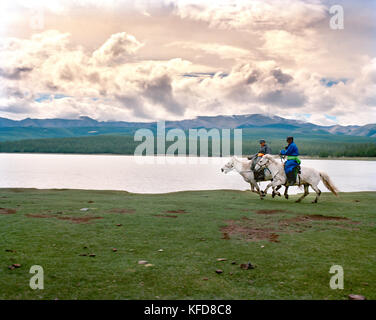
{"x":294,"y":175}
{"x":259,"y":175}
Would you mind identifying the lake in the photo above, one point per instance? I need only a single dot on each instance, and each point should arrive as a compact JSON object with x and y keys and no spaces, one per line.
{"x":156,"y":174}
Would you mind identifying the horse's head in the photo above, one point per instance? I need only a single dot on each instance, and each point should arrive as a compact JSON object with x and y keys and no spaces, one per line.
{"x":228,"y":166}
{"x":263,"y":162}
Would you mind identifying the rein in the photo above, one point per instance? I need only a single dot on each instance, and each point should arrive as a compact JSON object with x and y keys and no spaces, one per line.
{"x":265,"y":167}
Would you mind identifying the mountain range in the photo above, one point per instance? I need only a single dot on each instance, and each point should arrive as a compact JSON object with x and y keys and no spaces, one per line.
{"x":208,"y":122}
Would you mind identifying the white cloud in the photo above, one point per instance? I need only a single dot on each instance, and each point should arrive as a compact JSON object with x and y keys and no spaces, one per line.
{"x":246,"y":15}
{"x":119,"y":48}
{"x":269,"y":57}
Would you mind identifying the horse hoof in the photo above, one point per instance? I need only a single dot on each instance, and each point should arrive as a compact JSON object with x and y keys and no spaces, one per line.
{"x":297,"y":201}
{"x":287,"y":197}
{"x":278,"y":194}
{"x":273,"y":195}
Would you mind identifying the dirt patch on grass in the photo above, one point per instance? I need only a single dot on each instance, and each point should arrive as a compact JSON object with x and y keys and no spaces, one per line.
{"x":165,"y":216}
{"x":122,"y":210}
{"x":19,"y":190}
{"x":252,"y":233}
{"x":303,"y":220}
{"x":269,"y":228}
{"x":317,"y":217}
{"x":270,"y":211}
{"x":176,"y":211}
{"x":85,"y":219}
{"x":34,"y":215}
{"x":7,"y":211}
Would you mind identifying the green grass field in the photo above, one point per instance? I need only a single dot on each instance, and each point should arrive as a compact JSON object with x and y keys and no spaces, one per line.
{"x":291,"y":245}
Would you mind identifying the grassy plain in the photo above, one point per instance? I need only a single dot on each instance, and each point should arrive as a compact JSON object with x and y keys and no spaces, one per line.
{"x":181,"y":236}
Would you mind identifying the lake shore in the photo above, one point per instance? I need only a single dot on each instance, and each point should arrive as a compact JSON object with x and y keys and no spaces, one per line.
{"x":244,"y":156}
{"x":90,"y":244}
{"x":144,"y":174}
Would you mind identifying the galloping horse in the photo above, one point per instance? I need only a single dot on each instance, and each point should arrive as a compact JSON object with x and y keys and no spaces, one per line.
{"x":243,"y":167}
{"x":308,"y":177}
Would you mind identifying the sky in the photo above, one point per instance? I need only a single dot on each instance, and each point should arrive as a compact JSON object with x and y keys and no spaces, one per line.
{"x":146,"y":60}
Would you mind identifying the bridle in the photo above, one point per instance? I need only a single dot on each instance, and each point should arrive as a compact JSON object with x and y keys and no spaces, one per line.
{"x":263,"y":166}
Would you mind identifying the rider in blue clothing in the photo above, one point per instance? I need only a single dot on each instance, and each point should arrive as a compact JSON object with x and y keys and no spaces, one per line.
{"x":292,"y":153}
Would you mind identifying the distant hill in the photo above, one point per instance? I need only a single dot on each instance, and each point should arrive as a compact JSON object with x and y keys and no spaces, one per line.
{"x":221,"y":121}
{"x":89,"y":136}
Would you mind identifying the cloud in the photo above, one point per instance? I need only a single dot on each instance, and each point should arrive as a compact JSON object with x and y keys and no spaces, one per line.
{"x":246,"y":15}
{"x":221,"y":50}
{"x":252,"y":77}
{"x":119,"y":48}
{"x":159,"y":91}
{"x":281,"y":77}
{"x":14,"y":74}
{"x":288,"y":99}
{"x":188,"y":58}
{"x":134,"y":104}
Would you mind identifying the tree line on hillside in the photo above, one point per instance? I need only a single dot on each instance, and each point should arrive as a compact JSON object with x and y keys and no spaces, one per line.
{"x":126,"y":145}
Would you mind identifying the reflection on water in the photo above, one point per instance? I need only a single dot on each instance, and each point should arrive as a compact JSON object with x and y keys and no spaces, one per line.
{"x":154,"y":174}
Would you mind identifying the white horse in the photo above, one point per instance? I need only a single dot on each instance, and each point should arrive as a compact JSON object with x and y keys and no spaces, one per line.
{"x":243,"y":167}
{"x":308,"y":177}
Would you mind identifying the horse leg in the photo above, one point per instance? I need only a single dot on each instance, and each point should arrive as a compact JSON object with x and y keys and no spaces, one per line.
{"x":318,"y":192}
{"x":306,"y":193}
{"x":272,"y":184}
{"x":273,"y":192}
{"x":277,"y":193}
{"x":253,"y":188}
{"x":286,"y":194}
{"x":262,"y":194}
{"x":255,"y":185}
{"x":258,"y":191}
{"x":267,"y":187}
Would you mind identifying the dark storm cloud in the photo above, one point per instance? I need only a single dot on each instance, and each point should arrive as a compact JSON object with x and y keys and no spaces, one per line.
{"x":16,"y":108}
{"x":14,"y":74}
{"x":14,"y":92}
{"x":284,"y":98}
{"x":281,"y":77}
{"x":252,"y":77}
{"x":134,"y":104}
{"x":159,"y":91}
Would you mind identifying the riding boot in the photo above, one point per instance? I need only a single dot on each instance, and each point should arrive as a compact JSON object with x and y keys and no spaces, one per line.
{"x":291,"y":178}
{"x":253,"y":164}
{"x":262,"y":175}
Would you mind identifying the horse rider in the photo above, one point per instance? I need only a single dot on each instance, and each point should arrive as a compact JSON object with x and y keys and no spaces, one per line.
{"x":293,"y":161}
{"x":264,"y":149}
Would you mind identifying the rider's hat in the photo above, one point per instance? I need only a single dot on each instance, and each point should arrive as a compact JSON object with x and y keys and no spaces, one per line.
{"x":262,"y":141}
{"x":290,"y":138}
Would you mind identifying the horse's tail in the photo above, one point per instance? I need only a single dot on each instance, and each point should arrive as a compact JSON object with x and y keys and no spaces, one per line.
{"x":328,"y":183}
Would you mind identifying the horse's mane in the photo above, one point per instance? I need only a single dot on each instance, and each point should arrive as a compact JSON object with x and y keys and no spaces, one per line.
{"x":241,"y":159}
{"x":270,"y":157}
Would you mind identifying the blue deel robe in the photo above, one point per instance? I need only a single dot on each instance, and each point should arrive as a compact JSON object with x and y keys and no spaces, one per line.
{"x":292,"y":150}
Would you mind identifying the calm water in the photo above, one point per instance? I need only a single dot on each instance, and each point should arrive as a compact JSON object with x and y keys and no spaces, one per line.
{"x":153,"y":175}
